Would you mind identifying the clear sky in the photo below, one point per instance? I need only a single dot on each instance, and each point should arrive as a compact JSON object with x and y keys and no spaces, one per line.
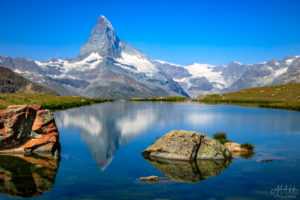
{"x":186,"y":31}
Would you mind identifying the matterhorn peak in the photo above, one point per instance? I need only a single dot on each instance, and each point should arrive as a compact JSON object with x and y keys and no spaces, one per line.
{"x":102,"y":20}
{"x":102,"y":17}
{"x":102,"y":40}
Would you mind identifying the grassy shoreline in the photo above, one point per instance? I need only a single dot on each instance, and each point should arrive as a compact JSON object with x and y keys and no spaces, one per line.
{"x":51,"y":102}
{"x":276,"y":97}
{"x":168,"y":98}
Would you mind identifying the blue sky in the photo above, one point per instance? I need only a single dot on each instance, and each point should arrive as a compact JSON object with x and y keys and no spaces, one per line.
{"x":213,"y":32}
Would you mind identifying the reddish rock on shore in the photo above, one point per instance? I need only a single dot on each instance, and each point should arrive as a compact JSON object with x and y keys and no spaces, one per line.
{"x":28,"y":129}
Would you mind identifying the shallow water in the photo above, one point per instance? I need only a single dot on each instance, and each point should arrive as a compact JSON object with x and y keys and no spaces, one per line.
{"x":102,"y":145}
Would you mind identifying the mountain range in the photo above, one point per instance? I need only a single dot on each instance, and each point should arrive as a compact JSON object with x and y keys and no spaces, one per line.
{"x":108,"y":67}
{"x":198,"y":79}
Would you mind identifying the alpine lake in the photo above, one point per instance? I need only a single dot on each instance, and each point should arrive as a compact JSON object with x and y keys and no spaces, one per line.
{"x":101,"y":157}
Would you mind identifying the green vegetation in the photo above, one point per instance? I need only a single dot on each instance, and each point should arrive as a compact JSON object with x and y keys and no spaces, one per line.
{"x":277,"y":96}
{"x":221,"y":137}
{"x":168,"y":98}
{"x":51,"y":102}
{"x":248,"y":146}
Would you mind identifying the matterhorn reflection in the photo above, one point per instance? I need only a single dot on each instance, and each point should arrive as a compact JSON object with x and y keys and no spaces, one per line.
{"x":106,"y":127}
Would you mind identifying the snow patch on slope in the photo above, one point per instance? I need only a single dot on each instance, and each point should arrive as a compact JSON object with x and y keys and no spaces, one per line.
{"x":205,"y":70}
{"x":164,"y":62}
{"x":88,"y":63}
{"x":291,"y":60}
{"x":17,"y":71}
{"x":142,"y":64}
{"x":280,"y":71}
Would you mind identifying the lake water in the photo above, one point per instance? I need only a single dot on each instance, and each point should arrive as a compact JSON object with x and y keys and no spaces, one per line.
{"x":102,"y":144}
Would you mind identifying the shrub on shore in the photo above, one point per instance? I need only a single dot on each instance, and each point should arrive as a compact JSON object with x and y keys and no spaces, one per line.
{"x":221,"y":137}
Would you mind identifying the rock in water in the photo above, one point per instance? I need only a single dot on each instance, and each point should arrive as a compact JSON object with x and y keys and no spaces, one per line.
{"x":212,"y":149}
{"x":150,"y":179}
{"x":237,"y":151}
{"x":153,"y":179}
{"x":187,"y":145}
{"x":28,"y":129}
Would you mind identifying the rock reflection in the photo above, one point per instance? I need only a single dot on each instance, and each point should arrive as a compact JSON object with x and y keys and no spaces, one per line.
{"x":244,"y":155}
{"x":27,"y":176}
{"x":189,"y":172}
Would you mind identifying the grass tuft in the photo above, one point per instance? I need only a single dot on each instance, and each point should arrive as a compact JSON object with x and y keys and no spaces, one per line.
{"x":221,"y":137}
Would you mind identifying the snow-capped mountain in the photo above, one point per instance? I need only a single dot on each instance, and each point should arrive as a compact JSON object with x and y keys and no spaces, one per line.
{"x":106,"y":67}
{"x":198,"y":79}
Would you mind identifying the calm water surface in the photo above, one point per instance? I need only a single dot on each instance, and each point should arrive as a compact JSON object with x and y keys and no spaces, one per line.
{"x":102,"y":145}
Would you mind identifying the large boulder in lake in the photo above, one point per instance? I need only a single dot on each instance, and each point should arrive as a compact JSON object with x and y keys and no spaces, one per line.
{"x":28,"y":129}
{"x":187,"y":145}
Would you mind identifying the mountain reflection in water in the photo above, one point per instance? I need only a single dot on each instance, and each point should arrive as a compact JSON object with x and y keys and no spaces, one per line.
{"x":27,"y":176}
{"x":107,"y":127}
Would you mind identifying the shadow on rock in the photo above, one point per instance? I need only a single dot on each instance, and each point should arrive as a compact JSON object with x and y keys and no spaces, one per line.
{"x":189,"y":171}
{"x":27,"y":176}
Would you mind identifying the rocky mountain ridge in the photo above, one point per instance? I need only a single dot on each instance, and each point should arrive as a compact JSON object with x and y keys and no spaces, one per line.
{"x":198,"y":79}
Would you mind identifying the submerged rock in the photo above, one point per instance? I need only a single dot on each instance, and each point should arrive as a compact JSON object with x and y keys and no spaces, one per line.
{"x":28,"y":129}
{"x":27,"y":176}
{"x":187,"y":145}
{"x":189,"y":171}
{"x":153,"y":179}
{"x":266,"y":160}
